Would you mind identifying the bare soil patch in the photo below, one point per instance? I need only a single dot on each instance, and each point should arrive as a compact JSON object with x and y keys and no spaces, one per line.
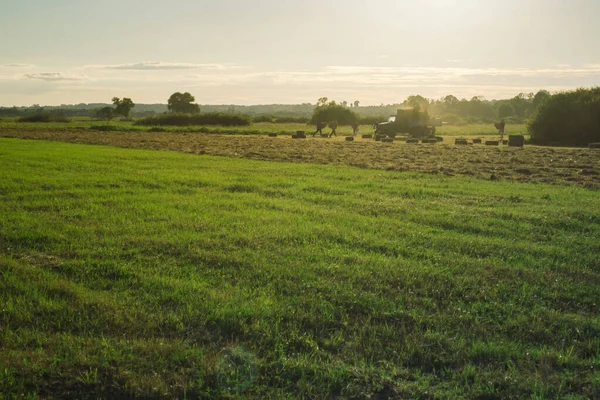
{"x":564,"y":166}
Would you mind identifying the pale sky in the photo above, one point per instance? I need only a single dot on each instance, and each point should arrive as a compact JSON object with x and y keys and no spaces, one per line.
{"x":293,"y":51}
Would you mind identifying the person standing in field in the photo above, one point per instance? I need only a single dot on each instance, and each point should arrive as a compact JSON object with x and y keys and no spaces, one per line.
{"x":501,"y":129}
{"x":333,"y":125}
{"x":320,"y":127}
{"x":354,"y":128}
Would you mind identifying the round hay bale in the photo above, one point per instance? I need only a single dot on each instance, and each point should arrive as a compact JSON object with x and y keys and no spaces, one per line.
{"x":272,"y":135}
{"x":460,"y":141}
{"x":349,"y":138}
{"x":368,"y":136}
{"x":387,"y":140}
{"x":476,"y":141}
{"x":412,"y":141}
{"x":594,"y":145}
{"x":492,"y":142}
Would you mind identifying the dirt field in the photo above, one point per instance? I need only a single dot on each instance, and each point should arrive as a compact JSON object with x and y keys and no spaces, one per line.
{"x":565,"y":166}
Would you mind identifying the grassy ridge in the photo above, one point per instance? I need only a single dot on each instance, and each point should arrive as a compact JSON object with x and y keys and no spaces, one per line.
{"x":153,"y":273}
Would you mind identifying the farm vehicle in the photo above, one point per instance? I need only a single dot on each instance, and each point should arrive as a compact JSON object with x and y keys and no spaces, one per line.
{"x":408,"y":121}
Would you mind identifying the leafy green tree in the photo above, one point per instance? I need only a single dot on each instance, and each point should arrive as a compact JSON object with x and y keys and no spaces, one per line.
{"x":124,"y":106}
{"x":567,"y":118}
{"x":520,"y":105}
{"x":322,"y":101}
{"x":451,"y":100}
{"x":356,"y":103}
{"x":105,"y":114}
{"x":182,"y":103}
{"x":506,"y":110}
{"x":334,"y":112}
{"x":540,"y":97}
{"x":416,"y":101}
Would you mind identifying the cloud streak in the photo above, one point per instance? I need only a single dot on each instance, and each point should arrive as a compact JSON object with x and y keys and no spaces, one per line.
{"x":56,"y":76}
{"x":17,"y":65}
{"x":159,"y":65}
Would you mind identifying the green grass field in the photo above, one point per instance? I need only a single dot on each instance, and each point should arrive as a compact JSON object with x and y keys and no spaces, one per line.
{"x":255,"y":128}
{"x":165,"y":275}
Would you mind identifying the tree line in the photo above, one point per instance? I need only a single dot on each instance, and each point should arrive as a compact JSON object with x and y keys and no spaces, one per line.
{"x":455,"y":110}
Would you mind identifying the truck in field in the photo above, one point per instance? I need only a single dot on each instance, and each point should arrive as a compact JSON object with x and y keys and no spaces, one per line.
{"x":408,"y":121}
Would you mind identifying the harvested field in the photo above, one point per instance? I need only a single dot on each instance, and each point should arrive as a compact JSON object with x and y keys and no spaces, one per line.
{"x":564,"y":166}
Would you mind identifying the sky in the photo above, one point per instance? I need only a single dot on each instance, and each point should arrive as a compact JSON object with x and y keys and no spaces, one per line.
{"x":245,"y":52}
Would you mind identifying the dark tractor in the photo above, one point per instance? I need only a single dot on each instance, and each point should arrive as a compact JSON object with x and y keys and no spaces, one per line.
{"x":408,"y":121}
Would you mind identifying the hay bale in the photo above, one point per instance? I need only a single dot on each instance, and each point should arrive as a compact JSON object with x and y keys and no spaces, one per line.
{"x":492,"y":142}
{"x":387,"y":140}
{"x":349,"y":138}
{"x":438,"y":138}
{"x":299,"y":132}
{"x":516,"y":140}
{"x":412,"y":141}
{"x":272,"y":135}
{"x":369,"y":136}
{"x":476,"y":141}
{"x":430,"y":141}
{"x":460,"y":141}
{"x":594,"y":145}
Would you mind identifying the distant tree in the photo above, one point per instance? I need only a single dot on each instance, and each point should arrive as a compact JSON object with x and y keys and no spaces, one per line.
{"x":506,"y":110}
{"x":105,"y":114}
{"x":520,"y":105}
{"x":124,"y":106}
{"x":540,"y":97}
{"x":344,"y":103}
{"x":182,"y":103}
{"x":451,"y":100}
{"x":334,"y":112}
{"x":356,"y":103}
{"x":416,"y":101}
{"x":322,"y":101}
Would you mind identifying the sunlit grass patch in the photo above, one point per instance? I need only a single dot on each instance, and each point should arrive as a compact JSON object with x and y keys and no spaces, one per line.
{"x":158,"y":274}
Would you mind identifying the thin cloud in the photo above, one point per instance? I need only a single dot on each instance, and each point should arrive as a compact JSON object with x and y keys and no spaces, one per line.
{"x":17,"y":65}
{"x":454,"y":73}
{"x":159,"y":65}
{"x":56,"y":76}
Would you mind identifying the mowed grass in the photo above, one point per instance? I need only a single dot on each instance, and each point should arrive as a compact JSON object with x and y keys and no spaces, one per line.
{"x":481,"y":130}
{"x":162,"y":275}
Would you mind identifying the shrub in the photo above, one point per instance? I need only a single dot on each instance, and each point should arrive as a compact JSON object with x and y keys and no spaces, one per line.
{"x":226,"y":119}
{"x":44,"y":117}
{"x":568,"y":118}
